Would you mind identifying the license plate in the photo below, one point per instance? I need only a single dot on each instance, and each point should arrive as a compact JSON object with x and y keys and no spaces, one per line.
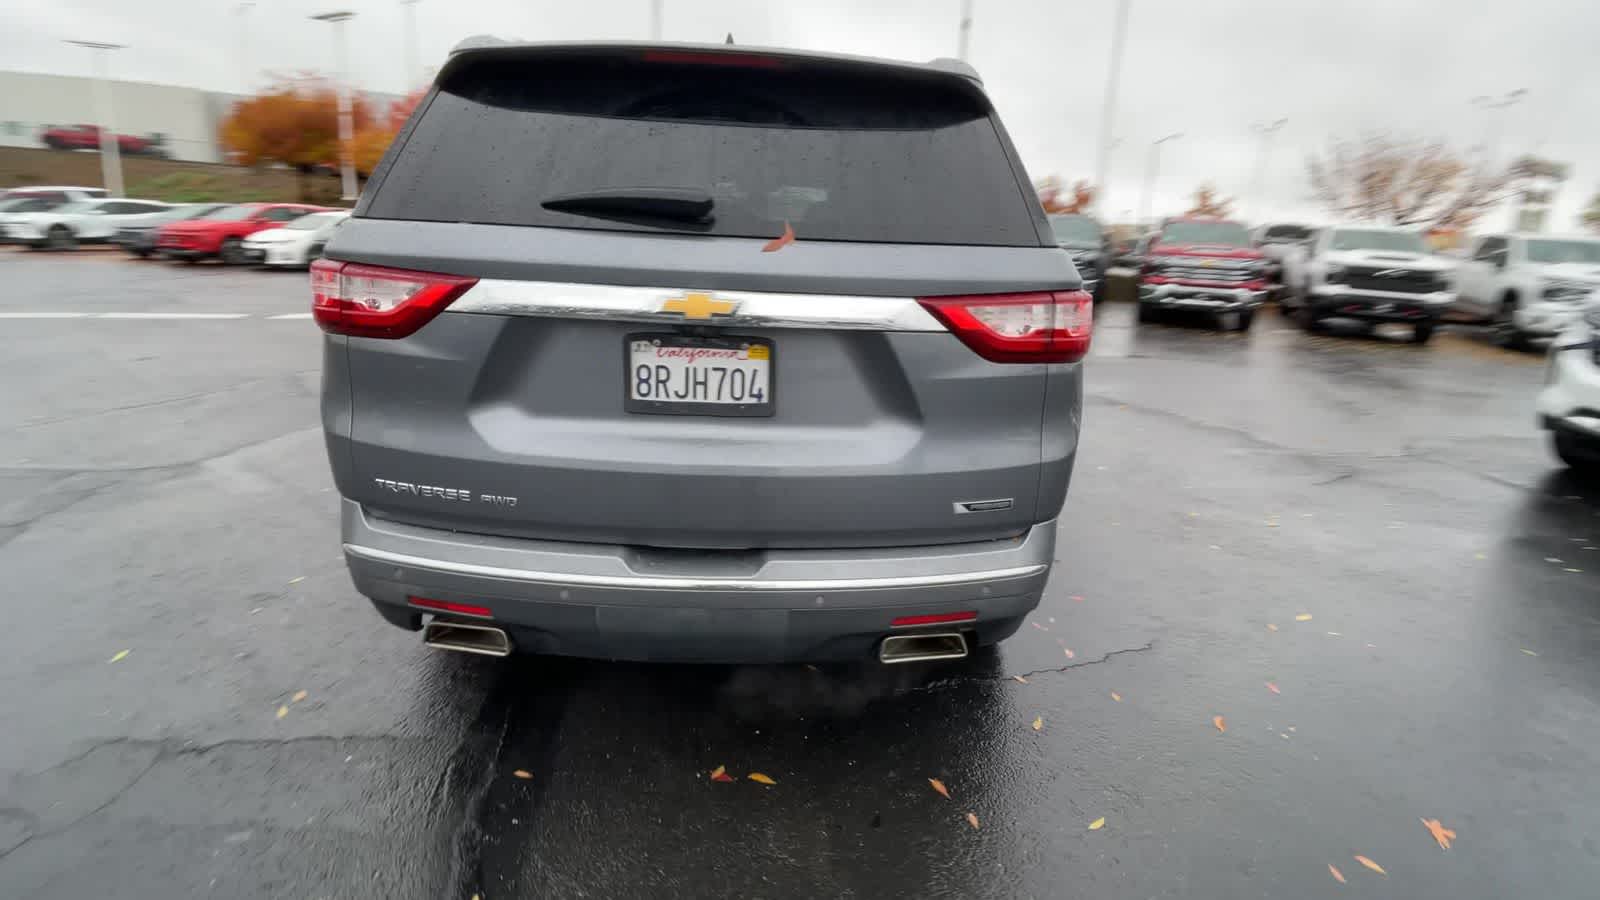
{"x":675,"y":374}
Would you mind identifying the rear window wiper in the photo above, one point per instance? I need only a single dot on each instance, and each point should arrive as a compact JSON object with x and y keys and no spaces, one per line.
{"x":678,"y":204}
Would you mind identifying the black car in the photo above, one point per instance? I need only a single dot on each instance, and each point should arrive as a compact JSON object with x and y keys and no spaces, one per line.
{"x":1086,"y":240}
{"x":140,"y":240}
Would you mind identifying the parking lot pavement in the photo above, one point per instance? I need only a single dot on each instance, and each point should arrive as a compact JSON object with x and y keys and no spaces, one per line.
{"x":1311,"y":591}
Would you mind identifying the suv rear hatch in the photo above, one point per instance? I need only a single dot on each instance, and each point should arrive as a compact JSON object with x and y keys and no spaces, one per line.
{"x":517,"y":409}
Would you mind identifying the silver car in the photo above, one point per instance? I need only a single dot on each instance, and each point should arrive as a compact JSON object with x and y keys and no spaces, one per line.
{"x":701,"y":353}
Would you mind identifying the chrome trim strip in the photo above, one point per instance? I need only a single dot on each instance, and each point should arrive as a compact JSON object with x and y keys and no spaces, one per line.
{"x":616,"y":303}
{"x":641,"y":582}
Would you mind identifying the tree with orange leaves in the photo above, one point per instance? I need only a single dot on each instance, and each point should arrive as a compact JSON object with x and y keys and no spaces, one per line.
{"x":295,"y":122}
{"x":1208,"y":204}
{"x":1079,"y":201}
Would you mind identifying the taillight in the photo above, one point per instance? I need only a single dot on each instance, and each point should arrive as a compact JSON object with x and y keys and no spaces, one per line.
{"x":1019,"y":328}
{"x":373,"y":301}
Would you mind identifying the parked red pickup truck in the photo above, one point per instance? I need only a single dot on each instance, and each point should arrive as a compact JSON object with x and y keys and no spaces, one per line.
{"x":87,"y":137}
{"x":1206,"y":265}
{"x":221,"y":233}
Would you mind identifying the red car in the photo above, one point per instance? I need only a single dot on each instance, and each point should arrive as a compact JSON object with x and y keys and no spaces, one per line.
{"x":87,"y":137}
{"x":1203,"y":264}
{"x":221,"y":233}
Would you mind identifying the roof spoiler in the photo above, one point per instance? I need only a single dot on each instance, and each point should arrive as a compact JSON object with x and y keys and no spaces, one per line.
{"x":942,"y":64}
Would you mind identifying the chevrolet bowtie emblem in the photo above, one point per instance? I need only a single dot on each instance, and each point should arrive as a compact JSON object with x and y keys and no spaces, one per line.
{"x":694,"y":305}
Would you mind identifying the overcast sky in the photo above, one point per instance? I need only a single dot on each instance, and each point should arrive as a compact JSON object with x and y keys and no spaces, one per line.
{"x":1208,"y":69}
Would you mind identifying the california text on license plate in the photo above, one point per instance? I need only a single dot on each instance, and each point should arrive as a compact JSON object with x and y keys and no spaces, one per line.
{"x":676,"y":374}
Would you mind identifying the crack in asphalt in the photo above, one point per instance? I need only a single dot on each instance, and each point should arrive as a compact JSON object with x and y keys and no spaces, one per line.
{"x":291,"y":377}
{"x":1150,"y":645}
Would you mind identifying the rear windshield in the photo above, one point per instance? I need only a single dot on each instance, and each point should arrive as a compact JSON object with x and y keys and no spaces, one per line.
{"x":838,"y":154}
{"x":1556,"y":251}
{"x":1286,"y":233}
{"x":1228,"y":234}
{"x":1374,"y":239}
{"x":1075,"y":228}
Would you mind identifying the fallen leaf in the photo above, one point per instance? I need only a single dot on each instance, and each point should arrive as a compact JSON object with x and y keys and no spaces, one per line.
{"x":1551,"y":559}
{"x":298,"y":696}
{"x":759,"y":778}
{"x":1271,"y":627}
{"x":1077,"y":598}
{"x":1273,"y":688}
{"x":1479,"y":556}
{"x":1019,"y":679}
{"x":781,"y":241}
{"x":1303,"y":617}
{"x":1572,"y":570}
{"x":1527,"y":651}
{"x":297,"y":579}
{"x":1221,"y":724}
{"x":118,"y":656}
{"x":1038,"y":722}
{"x":1069,"y":653}
{"x":939,"y":786}
{"x":1097,"y":824}
{"x":972,"y":819}
{"x":1440,"y":833}
{"x":1335,"y":634}
{"x":1371,"y":865}
{"x":1038,"y":626}
{"x":1337,"y":875}
{"x":1116,"y":696}
{"x":720,"y":773}
{"x":283,"y":711}
{"x":524,"y":774}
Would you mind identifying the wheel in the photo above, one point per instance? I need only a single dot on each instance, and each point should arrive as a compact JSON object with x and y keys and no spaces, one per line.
{"x":1245,"y":318}
{"x":1506,"y":332}
{"x":1575,"y":453}
{"x":60,"y":237}
{"x":315,"y":253}
{"x":1421,"y":332}
{"x":1147,"y":313}
{"x":232,"y":252}
{"x":1309,"y":320}
{"x":141,"y":254}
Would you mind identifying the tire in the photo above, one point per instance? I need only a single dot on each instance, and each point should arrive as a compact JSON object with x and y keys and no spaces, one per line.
{"x":232,"y":252}
{"x":60,"y":237}
{"x":1574,"y":454}
{"x":314,"y":253}
{"x":1421,"y":332}
{"x":1245,"y":318}
{"x":1309,"y":320}
{"x":141,"y":254}
{"x":1506,"y":333}
{"x":1147,"y":314}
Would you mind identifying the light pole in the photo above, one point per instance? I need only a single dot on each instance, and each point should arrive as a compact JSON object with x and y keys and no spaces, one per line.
{"x":655,"y":20}
{"x":1265,"y":132}
{"x":1150,"y":172}
{"x":243,"y":10}
{"x":1119,"y":37}
{"x":966,"y":30}
{"x":110,"y":151}
{"x":412,"y":79}
{"x":347,"y":163}
{"x":1495,"y":107}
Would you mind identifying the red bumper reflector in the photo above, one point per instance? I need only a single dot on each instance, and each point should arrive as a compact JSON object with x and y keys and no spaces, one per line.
{"x":935,"y":619}
{"x":465,"y":609}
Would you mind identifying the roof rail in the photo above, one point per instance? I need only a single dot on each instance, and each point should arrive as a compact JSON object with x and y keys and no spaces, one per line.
{"x":959,"y":67}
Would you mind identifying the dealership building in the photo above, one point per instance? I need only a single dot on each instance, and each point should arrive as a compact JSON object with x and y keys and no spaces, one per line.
{"x":186,"y":120}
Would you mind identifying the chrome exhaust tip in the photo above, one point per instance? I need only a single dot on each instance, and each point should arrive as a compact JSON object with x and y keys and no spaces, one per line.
{"x":484,"y":640}
{"x":904,"y":648}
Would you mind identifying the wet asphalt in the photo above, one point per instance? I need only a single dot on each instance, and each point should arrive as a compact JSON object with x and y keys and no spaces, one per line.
{"x":1356,"y":552}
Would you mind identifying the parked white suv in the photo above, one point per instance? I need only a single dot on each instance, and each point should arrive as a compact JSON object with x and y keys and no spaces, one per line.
{"x":1528,"y":285}
{"x":1569,"y":404}
{"x":80,"y":222}
{"x":1370,"y":273}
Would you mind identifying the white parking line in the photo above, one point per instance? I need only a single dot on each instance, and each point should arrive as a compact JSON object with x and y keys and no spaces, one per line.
{"x":145,"y":315}
{"x":159,"y":315}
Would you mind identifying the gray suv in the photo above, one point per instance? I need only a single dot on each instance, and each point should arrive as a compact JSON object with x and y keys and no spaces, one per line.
{"x":700,"y":353}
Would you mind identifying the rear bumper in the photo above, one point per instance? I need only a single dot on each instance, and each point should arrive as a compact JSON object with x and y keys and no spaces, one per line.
{"x":1188,"y":296}
{"x":618,"y":602}
{"x":1379,"y":306}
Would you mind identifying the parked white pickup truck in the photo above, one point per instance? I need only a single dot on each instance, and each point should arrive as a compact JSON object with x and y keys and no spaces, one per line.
{"x":1370,"y":273}
{"x":1528,"y":285}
